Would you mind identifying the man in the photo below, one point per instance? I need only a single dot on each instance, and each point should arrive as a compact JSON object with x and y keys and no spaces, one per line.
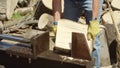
{"x":73,"y":10}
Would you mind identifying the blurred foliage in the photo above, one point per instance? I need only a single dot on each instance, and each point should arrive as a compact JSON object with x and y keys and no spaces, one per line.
{"x":16,"y":15}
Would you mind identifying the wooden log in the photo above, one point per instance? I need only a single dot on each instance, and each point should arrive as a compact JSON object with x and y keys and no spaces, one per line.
{"x":108,"y":0}
{"x":40,"y":9}
{"x":44,"y":20}
{"x":2,"y":9}
{"x":80,"y":47}
{"x":116,"y":4}
{"x":33,"y":2}
{"x":45,"y":6}
{"x":3,"y":6}
{"x":23,"y":3}
{"x":24,"y":11}
{"x":1,"y":26}
{"x":48,"y":4}
{"x":11,"y":4}
{"x":104,"y":50}
{"x":64,"y":34}
{"x":107,"y":21}
{"x":3,"y":17}
{"x":40,"y":43}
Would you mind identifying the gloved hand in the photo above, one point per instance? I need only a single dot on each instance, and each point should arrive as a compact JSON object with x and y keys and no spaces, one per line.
{"x":93,"y":29}
{"x":54,"y":27}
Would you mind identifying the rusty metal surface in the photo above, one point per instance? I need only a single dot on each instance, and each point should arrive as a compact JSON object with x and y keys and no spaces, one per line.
{"x":80,"y":47}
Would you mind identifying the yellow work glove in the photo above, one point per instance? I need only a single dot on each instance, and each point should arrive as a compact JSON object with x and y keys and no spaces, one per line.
{"x":54,"y":27}
{"x":93,"y":29}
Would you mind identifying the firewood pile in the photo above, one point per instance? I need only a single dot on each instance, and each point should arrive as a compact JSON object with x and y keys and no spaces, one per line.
{"x":2,"y":9}
{"x":8,"y":8}
{"x":13,"y":15}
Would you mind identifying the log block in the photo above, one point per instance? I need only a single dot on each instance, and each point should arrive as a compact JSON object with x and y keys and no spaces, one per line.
{"x":48,"y":4}
{"x":64,"y":34}
{"x":116,"y":4}
{"x":108,"y":23}
{"x":80,"y":47}
{"x":11,"y":5}
{"x":40,"y":9}
{"x":45,"y":19}
{"x":24,"y":11}
{"x":104,"y":50}
{"x":3,"y":6}
{"x":45,"y":6}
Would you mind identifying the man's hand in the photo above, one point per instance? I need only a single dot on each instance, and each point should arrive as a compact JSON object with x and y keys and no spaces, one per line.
{"x":93,"y":29}
{"x":54,"y":27}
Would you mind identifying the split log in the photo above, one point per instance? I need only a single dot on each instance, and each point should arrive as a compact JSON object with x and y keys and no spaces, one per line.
{"x":40,"y":9}
{"x":44,"y":20}
{"x":3,"y":17}
{"x":48,"y":4}
{"x":7,"y":8}
{"x":64,"y":34}
{"x":2,"y":9}
{"x":79,"y":48}
{"x":11,"y":4}
{"x":116,"y":4}
{"x":1,"y":27}
{"x":33,"y":2}
{"x":23,"y":3}
{"x":44,"y":6}
{"x":24,"y":11}
{"x":108,"y":0}
{"x":104,"y":50}
{"x":3,"y":6}
{"x":107,"y":21}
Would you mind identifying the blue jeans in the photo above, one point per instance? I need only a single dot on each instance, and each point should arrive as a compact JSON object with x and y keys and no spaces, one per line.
{"x":73,"y":9}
